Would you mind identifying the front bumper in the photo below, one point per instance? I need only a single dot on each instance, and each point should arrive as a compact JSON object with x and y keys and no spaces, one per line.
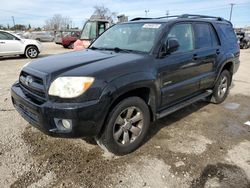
{"x":87,"y":118}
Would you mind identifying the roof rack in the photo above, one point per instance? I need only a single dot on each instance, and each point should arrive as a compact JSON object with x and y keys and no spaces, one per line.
{"x":187,"y":16}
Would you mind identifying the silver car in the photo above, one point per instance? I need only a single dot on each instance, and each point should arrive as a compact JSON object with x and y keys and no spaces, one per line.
{"x":43,"y":36}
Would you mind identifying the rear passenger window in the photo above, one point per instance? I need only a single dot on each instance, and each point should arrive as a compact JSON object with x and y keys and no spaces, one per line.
{"x":215,"y":40}
{"x":202,"y":36}
{"x":184,"y":34}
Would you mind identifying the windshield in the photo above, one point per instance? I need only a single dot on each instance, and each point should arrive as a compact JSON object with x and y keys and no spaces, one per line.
{"x":132,"y":36}
{"x":89,"y":31}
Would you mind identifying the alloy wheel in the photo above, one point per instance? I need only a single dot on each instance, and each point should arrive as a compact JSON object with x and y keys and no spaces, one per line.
{"x":128,"y":126}
{"x":223,"y":86}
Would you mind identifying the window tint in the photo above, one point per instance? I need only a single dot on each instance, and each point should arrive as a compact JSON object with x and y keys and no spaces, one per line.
{"x":184,"y":34}
{"x":202,"y":35}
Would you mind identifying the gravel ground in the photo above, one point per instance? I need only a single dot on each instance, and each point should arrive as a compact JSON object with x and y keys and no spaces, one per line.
{"x":203,"y":145}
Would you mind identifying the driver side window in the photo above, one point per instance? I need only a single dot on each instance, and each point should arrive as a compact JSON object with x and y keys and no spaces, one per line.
{"x":184,"y":34}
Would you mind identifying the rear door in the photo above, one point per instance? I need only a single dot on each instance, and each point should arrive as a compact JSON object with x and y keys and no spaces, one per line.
{"x":207,"y":55}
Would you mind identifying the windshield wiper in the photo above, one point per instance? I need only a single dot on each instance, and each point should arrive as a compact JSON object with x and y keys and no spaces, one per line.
{"x":116,"y":49}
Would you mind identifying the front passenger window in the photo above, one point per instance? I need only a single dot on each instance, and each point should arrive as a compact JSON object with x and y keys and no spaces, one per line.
{"x":184,"y":34}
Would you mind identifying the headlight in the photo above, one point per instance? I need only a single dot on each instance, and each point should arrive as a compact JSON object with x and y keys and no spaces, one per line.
{"x":70,"y":87}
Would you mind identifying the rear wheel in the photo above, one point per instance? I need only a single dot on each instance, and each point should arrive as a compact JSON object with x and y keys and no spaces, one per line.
{"x":31,"y":52}
{"x":71,"y":46}
{"x":245,"y":45}
{"x":221,"y":88}
{"x":127,"y":126}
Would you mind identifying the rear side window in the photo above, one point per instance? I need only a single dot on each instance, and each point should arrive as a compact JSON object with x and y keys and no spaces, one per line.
{"x":228,"y":33}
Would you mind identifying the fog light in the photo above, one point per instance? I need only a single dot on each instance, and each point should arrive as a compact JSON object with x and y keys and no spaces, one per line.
{"x":66,"y":123}
{"x":63,"y":124}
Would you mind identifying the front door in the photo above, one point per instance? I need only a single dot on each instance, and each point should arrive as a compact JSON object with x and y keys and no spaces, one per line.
{"x":179,"y":70}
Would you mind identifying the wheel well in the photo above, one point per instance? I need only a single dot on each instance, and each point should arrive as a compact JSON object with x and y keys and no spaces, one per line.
{"x":29,"y":45}
{"x":143,"y":93}
{"x":228,"y":66}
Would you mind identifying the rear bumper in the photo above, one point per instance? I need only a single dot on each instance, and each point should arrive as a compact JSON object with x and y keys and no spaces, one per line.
{"x":87,"y":118}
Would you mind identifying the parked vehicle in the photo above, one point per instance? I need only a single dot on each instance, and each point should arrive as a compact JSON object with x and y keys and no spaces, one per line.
{"x":134,"y":73}
{"x":91,"y":30}
{"x":60,"y":34}
{"x":244,"y":39}
{"x":58,"y":37}
{"x":12,"y":44}
{"x":43,"y":36}
{"x":68,"y":40}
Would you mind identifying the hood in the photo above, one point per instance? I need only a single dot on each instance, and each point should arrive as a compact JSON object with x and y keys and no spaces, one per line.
{"x":87,"y":62}
{"x":67,"y":61}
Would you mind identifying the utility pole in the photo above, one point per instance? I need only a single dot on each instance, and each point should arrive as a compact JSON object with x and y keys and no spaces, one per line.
{"x":231,"y":11}
{"x":13,"y":19}
{"x":146,"y":13}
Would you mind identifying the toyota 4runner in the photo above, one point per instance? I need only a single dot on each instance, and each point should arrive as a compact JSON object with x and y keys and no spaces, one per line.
{"x":134,"y":73}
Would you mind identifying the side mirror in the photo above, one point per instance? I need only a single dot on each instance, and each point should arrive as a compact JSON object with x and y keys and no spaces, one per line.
{"x":171,"y":45}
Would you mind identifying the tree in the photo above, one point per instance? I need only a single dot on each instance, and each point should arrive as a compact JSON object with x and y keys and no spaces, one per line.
{"x":18,"y":27}
{"x":57,"y":22}
{"x":104,"y":13}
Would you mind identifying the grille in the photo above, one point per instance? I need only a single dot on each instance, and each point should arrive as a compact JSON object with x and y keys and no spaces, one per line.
{"x":33,"y":87}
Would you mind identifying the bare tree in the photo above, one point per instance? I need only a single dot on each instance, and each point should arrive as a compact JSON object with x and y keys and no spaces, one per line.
{"x":58,"y":22}
{"x":105,"y":13}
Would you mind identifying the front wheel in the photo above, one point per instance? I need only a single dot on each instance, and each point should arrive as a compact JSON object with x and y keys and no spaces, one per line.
{"x":221,"y":88}
{"x":31,"y":52}
{"x":127,"y":126}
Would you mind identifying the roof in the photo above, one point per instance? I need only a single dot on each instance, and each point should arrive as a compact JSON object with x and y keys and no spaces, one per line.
{"x":184,"y":17}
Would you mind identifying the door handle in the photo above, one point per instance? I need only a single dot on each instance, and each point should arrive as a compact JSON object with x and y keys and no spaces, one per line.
{"x":195,"y":57}
{"x":218,"y":51}
{"x":2,"y":42}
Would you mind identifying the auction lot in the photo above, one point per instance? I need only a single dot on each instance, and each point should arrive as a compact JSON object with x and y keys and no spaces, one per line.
{"x":203,"y":145}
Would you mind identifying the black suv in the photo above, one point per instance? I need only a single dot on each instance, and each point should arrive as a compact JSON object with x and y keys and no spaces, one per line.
{"x":134,"y":73}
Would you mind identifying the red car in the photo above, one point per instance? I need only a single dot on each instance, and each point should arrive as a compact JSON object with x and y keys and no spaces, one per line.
{"x":68,"y":40}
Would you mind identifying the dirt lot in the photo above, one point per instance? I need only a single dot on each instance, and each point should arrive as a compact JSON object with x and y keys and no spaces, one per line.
{"x":203,"y":145}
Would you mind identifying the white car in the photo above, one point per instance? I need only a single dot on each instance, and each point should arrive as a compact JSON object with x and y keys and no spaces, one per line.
{"x":11,"y":44}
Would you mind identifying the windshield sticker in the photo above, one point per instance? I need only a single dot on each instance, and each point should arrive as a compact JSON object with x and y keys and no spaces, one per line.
{"x":152,"y":26}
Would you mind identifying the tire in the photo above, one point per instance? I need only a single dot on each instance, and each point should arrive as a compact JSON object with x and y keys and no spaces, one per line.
{"x":38,"y":39}
{"x":245,"y":46}
{"x":221,"y":88}
{"x":71,"y":45}
{"x":65,"y":46}
{"x":124,"y":133}
{"x":31,"y":52}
